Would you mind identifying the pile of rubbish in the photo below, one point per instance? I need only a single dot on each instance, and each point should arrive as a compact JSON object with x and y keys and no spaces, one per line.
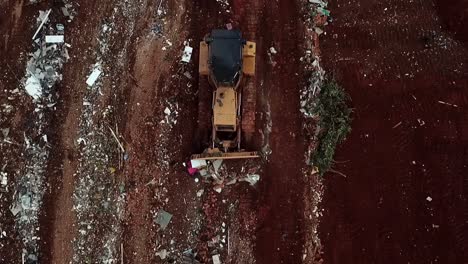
{"x":316,"y":18}
{"x":215,"y":172}
{"x":43,"y":71}
{"x":225,"y":5}
{"x":97,"y":200}
{"x":45,"y":64}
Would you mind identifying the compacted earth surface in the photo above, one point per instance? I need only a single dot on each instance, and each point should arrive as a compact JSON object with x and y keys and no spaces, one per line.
{"x":97,"y":129}
{"x":403,"y":64}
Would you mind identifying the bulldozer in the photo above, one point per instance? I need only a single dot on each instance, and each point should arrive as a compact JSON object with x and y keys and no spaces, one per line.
{"x":226,"y":59}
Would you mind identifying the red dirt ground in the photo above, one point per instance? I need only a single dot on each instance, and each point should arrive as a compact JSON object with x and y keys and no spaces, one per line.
{"x":280,"y":227}
{"x":380,"y":212}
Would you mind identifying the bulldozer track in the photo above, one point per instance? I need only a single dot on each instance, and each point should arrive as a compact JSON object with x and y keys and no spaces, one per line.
{"x":248,"y":16}
{"x":249,"y":97}
{"x":205,"y":97}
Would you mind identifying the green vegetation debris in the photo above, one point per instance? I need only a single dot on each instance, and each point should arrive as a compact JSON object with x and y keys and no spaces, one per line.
{"x":335,"y":123}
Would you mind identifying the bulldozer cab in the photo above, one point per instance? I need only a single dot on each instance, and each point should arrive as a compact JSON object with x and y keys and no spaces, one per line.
{"x":225,"y":57}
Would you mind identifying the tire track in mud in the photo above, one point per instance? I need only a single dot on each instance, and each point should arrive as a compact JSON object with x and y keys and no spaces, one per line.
{"x":146,"y":172}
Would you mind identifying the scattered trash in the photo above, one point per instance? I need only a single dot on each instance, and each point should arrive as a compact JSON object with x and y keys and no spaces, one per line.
{"x":229,"y":26}
{"x":163,"y":218}
{"x":192,"y":171}
{"x":189,"y":257}
{"x":4,"y":179}
{"x":323,"y":11}
{"x":318,"y":30}
{"x":397,"y":125}
{"x":93,"y":76}
{"x":117,"y":140}
{"x":157,"y":29}
{"x":54,"y":39}
{"x":429,"y":199}
{"x":33,"y":87}
{"x":217,"y":164}
{"x":251,"y":178}
{"x":162,"y":254}
{"x":198,"y":163}
{"x":218,"y":189}
{"x":188,"y":75}
{"x":319,"y":2}
{"x":200,"y":193}
{"x":159,"y":11}
{"x":60,"y":28}
{"x":216,"y":259}
{"x":273,"y":50}
{"x":15,"y":209}
{"x":65,"y":11}
{"x":203,"y":172}
{"x":231,"y":182}
{"x":445,"y":103}
{"x":43,"y":17}
{"x":187,"y":55}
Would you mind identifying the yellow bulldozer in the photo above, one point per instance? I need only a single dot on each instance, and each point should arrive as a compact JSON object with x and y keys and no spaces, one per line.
{"x":225,"y":59}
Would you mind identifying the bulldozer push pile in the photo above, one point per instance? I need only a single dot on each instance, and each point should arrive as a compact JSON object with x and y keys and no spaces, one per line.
{"x":226,"y":59}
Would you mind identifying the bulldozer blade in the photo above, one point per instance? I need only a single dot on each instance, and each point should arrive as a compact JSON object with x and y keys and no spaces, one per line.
{"x":225,"y":155}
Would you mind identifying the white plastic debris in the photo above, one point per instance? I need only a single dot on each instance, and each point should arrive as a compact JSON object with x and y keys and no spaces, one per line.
{"x":5,"y":132}
{"x":4,"y":179}
{"x":93,"y":77}
{"x":162,"y":254}
{"x":429,"y":199}
{"x":54,"y":39}
{"x":319,"y":2}
{"x":216,"y":259}
{"x":218,"y":189}
{"x":251,"y":178}
{"x":187,"y":54}
{"x":200,"y":193}
{"x":15,"y":209}
{"x":198,"y":163}
{"x":26,"y":202}
{"x":273,"y":50}
{"x":65,"y":11}
{"x":43,"y":18}
{"x":167,"y":111}
{"x":163,"y":218}
{"x":217,"y":164}
{"x":203,"y":172}
{"x":33,"y":87}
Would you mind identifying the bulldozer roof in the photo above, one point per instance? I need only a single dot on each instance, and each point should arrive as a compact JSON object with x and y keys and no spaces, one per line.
{"x":226,"y":55}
